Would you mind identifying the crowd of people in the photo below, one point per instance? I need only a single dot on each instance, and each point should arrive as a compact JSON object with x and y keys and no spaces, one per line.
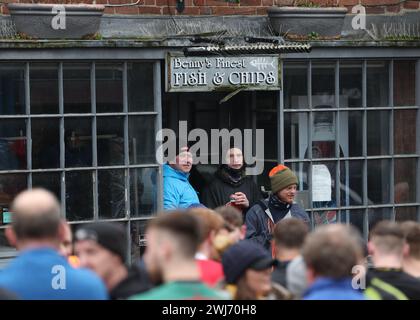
{"x":229,"y":243}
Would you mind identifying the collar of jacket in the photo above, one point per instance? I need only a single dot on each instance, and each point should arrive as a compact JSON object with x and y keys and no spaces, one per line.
{"x":231,"y":176}
{"x":168,"y":171}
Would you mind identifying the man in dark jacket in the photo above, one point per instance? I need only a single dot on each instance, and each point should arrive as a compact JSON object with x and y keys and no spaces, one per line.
{"x":231,"y":186}
{"x":262,"y":217}
{"x":102,"y":247}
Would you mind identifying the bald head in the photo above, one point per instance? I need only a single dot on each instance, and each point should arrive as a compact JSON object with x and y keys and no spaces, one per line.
{"x":36,"y":215}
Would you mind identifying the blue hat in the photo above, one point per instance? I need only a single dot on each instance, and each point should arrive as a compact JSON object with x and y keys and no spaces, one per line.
{"x":246,"y":254}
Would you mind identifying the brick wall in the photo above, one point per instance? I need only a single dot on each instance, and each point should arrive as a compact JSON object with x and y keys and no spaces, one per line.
{"x":223,"y":7}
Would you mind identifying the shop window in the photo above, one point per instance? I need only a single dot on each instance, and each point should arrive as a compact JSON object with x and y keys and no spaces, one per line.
{"x":405,"y":180}
{"x":77,"y":88}
{"x":377,"y":84}
{"x":12,"y":144}
{"x":44,"y":88}
{"x":404,"y":83}
{"x":79,"y":195}
{"x":109,"y":87}
{"x":78,"y":142}
{"x":12,"y":89}
{"x":111,"y":193}
{"x":140,"y":76}
{"x":45,"y":143}
{"x":143,"y":191}
{"x":351,"y":76}
{"x":405,"y":131}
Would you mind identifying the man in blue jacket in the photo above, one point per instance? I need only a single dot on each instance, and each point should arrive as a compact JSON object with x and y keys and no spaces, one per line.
{"x":330,"y":253}
{"x":40,"y":272}
{"x":177,"y":190}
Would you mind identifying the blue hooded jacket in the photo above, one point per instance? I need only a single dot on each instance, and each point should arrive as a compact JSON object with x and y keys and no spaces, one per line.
{"x":177,"y":191}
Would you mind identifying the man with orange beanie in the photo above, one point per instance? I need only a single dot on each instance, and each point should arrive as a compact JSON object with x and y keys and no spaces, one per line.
{"x":262,"y":217}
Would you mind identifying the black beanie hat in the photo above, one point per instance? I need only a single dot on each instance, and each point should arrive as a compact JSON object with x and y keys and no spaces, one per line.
{"x":111,"y":236}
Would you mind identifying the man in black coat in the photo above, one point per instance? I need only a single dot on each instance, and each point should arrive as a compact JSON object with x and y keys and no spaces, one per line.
{"x":231,"y":186}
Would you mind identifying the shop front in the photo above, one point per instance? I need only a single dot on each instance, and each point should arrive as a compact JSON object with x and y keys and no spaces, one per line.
{"x":81,"y":120}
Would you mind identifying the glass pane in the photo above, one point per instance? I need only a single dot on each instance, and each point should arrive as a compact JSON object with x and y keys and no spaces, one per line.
{"x":76,"y":84}
{"x":324,"y":188}
{"x":109,"y":87}
{"x":110,"y":132}
{"x":12,"y":144}
{"x":377,"y":215}
{"x":140,"y":86}
{"x":406,"y":213}
{"x":79,"y":195}
{"x":405,"y":131}
{"x":404,"y":83}
{"x":323,"y":85}
{"x":377,"y":133}
{"x":45,"y":143}
{"x":111,"y":194}
{"x":50,"y":181}
{"x":138,"y":242}
{"x":324,"y":217}
{"x":12,"y":88}
{"x":351,"y":133}
{"x":143,"y":191}
{"x":353,"y":217}
{"x":10,"y":186}
{"x":295,"y":135}
{"x":295,"y":85}
{"x":323,"y":135}
{"x":378,"y":181}
{"x":350,"y":84}
{"x":352,"y":186}
{"x":44,"y":87}
{"x":262,"y":179}
{"x":141,"y":135}
{"x":78,"y":140}
{"x":377,"y":84}
{"x":405,"y":180}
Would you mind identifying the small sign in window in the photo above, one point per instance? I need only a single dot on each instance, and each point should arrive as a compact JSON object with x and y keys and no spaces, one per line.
{"x":6,"y":216}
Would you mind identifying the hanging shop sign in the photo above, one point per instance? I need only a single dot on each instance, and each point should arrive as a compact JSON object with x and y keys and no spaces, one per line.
{"x":222,"y":73}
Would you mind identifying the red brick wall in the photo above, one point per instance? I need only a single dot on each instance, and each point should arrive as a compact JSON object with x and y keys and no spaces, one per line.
{"x":222,"y":7}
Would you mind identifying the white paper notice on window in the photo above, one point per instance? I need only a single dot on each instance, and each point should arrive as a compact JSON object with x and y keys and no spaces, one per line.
{"x":321,"y":183}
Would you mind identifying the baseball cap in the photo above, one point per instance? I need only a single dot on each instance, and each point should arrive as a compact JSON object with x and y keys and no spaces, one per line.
{"x":246,"y":254}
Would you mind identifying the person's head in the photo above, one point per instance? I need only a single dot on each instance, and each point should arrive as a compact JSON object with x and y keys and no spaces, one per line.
{"x":234,"y":158}
{"x":35,"y":220}
{"x":172,"y":239}
{"x":289,"y":234}
{"x":183,"y":161}
{"x":248,"y":265}
{"x":234,"y":222}
{"x":331,"y":251}
{"x":411,"y":231}
{"x":101,"y":247}
{"x":283,"y":183}
{"x":211,"y":230}
{"x":66,"y":246}
{"x":386,"y":240}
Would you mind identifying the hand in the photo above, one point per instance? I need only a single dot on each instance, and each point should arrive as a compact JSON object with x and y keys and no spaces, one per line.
{"x":240,"y":199}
